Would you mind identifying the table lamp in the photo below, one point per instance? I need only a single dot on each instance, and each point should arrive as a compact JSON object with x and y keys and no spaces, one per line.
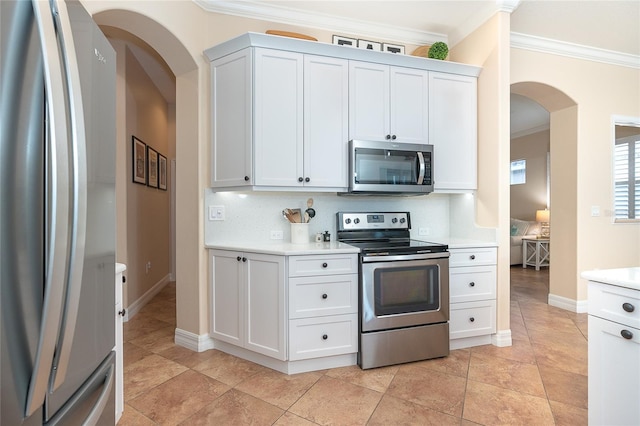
{"x":542,"y":216}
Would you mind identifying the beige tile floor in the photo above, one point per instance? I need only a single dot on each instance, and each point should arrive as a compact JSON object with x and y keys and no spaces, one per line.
{"x":540,"y":380}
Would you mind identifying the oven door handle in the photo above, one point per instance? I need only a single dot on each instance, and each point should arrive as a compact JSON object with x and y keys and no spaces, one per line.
{"x":422,"y":168}
{"x":404,"y":257}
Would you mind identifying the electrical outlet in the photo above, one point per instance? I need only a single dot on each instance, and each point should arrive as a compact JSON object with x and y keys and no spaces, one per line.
{"x":424,"y":232}
{"x":216,"y":212}
{"x":595,"y":211}
{"x":277,"y":235}
{"x":147,"y":267}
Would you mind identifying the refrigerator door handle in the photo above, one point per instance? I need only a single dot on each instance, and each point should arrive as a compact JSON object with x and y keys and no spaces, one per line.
{"x":56,"y":262}
{"x":79,"y":195}
{"x":103,"y":399}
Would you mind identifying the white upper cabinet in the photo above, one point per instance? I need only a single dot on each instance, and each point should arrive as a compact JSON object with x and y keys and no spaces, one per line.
{"x":326,"y":121}
{"x":231,"y":118}
{"x":453,"y":123}
{"x":278,"y":117}
{"x":284,"y":110}
{"x":388,"y":103}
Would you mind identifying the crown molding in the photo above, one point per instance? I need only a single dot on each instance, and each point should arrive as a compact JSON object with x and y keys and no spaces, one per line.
{"x":530,"y":131}
{"x":573,"y":50}
{"x":292,"y":16}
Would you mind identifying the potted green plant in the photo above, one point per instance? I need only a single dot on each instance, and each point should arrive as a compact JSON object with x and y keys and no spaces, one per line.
{"x":438,"y":50}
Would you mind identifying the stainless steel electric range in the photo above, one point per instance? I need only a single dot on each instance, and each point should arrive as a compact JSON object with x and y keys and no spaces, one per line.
{"x":403,"y":289}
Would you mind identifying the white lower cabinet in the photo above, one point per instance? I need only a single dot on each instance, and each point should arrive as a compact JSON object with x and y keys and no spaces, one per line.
{"x":472,"y":296}
{"x":309,"y":313}
{"x":323,"y":306}
{"x":248,"y":301}
{"x":323,"y":336}
{"x":614,"y":355}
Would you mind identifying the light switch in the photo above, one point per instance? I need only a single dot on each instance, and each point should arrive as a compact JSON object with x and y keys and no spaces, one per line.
{"x":216,"y":212}
{"x":595,"y":211}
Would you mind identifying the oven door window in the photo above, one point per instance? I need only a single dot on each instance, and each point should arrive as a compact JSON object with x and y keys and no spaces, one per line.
{"x":406,"y":289}
{"x":386,"y":167}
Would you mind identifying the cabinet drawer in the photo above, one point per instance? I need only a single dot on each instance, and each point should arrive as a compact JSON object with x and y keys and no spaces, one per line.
{"x":472,"y":283}
{"x":473,"y":257}
{"x":614,"y":303}
{"x":304,"y":266}
{"x":472,"y":319}
{"x":326,"y":336}
{"x":323,"y":295}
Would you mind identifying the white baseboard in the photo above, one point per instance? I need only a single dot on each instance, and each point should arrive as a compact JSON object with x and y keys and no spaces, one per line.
{"x":192,"y":341}
{"x":135,"y":307}
{"x":578,"y":306}
{"x":502,"y":338}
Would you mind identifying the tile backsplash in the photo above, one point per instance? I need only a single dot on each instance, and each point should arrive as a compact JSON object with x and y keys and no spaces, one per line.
{"x":251,"y":216}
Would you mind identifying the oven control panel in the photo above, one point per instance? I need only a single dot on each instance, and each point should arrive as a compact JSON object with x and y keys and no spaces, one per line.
{"x":365,"y":220}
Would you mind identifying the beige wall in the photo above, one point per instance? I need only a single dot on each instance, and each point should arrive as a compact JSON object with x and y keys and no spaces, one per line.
{"x":532,"y":195}
{"x":148,"y":239}
{"x":488,"y":47}
{"x":599,"y":91}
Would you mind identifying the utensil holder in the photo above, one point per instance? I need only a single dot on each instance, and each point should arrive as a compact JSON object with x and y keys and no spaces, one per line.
{"x":300,"y":233}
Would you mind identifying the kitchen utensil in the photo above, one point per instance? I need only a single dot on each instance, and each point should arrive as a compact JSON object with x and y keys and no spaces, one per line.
{"x":296,"y":214}
{"x":310,"y":210}
{"x":306,"y":217}
{"x":288,"y":213}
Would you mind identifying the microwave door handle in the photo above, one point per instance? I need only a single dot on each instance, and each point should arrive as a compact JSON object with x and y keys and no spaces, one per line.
{"x":421,"y":170}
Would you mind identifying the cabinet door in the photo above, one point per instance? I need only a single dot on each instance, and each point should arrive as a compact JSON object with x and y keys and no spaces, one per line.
{"x":368,"y":101}
{"x":614,"y":373}
{"x":265,"y":305}
{"x":326,"y":121}
{"x":278,"y":117}
{"x":227,"y":294}
{"x":231,"y":120}
{"x":409,"y":97}
{"x":453,"y":118}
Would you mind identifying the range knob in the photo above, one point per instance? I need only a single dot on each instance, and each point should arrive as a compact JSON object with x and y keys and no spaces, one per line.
{"x":356,"y":221}
{"x":347,"y":221}
{"x":402,"y":220}
{"x":394,"y":220}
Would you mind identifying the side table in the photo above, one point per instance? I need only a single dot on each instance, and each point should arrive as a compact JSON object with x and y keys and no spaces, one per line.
{"x":535,"y":252}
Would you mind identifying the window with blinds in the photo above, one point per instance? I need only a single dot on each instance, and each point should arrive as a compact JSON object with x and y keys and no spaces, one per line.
{"x":518,"y":172}
{"x":626,"y":169}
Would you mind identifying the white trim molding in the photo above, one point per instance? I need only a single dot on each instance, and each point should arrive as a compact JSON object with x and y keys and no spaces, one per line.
{"x":138,"y":304}
{"x":573,"y":50}
{"x":192,"y":341}
{"x":577,"y":306}
{"x":323,"y":21}
{"x":502,"y":338}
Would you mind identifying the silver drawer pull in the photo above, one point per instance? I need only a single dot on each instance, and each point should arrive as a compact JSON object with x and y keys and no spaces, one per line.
{"x":626,"y":334}
{"x":628,"y":307}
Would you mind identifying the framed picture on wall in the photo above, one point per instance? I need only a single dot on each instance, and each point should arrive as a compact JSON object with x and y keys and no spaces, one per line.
{"x":162,"y":172}
{"x":152,"y":167}
{"x":139,"y":160}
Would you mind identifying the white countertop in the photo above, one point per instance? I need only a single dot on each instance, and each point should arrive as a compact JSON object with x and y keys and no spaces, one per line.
{"x":460,"y":243}
{"x":621,"y":277}
{"x":285,"y":248}
{"x":334,"y":247}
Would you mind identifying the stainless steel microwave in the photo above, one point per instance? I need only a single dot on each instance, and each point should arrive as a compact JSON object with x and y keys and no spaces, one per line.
{"x":390,"y":168}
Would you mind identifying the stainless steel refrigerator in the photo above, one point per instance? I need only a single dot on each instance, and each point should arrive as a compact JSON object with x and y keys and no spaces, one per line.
{"x":57,"y":216}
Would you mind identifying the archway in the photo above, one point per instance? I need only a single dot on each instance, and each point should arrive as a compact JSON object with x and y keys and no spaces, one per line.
{"x":189,"y":302}
{"x":563,"y":191}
